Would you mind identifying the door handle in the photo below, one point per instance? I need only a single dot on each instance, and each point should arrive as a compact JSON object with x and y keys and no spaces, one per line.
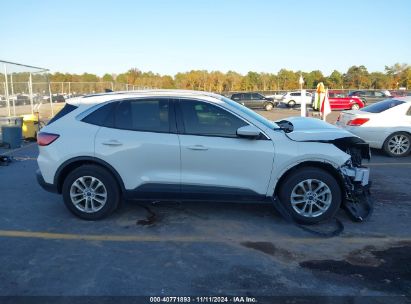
{"x":112,"y":143}
{"x":197,"y":147}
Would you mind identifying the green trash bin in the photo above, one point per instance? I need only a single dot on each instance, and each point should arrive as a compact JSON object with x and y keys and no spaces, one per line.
{"x":12,"y":136}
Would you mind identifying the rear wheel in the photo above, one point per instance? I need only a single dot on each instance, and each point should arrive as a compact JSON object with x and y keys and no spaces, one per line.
{"x":269,"y":106}
{"x":291,"y":104}
{"x":311,"y":195}
{"x":355,"y":106}
{"x":398,"y":144}
{"x":91,"y":192}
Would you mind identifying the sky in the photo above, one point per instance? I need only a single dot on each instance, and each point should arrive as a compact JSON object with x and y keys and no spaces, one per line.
{"x":167,"y":37}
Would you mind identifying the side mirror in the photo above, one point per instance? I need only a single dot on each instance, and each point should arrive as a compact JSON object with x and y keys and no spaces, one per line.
{"x":249,"y":131}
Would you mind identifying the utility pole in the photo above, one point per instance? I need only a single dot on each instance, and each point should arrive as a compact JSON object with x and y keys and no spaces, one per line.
{"x":303,"y":97}
{"x":7,"y":90}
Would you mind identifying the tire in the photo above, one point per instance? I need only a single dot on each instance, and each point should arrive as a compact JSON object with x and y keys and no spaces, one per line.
{"x":269,"y":106}
{"x":321,"y":181}
{"x":79,"y":184}
{"x":398,"y":144}
{"x":355,"y":107}
{"x":291,"y":104}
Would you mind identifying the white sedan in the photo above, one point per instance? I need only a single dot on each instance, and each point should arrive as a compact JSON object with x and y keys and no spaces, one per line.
{"x":383,"y":125}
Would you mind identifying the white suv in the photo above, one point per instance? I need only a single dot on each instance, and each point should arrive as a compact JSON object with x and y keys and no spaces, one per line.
{"x":294,"y":98}
{"x":189,"y":145}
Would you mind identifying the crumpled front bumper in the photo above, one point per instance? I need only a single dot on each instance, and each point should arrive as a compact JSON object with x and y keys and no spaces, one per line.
{"x":357,"y":174}
{"x":357,"y":202}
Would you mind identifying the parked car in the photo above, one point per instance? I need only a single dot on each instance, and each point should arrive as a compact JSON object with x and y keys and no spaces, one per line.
{"x":55,"y":98}
{"x":254,"y":100}
{"x":339,"y":101}
{"x":190,"y":145}
{"x":371,"y":96}
{"x":383,"y":125}
{"x":291,"y":99}
{"x":19,"y":99}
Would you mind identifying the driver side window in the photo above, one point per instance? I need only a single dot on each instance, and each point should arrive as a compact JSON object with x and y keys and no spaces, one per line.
{"x":205,"y":119}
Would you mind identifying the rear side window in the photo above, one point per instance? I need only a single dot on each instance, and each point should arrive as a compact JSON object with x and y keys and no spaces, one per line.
{"x":66,"y":109}
{"x":357,"y":93}
{"x":149,"y":115}
{"x":382,"y":106}
{"x":103,"y":116}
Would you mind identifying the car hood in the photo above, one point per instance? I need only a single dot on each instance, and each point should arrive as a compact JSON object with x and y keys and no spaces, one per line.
{"x":304,"y":129}
{"x":313,"y":129}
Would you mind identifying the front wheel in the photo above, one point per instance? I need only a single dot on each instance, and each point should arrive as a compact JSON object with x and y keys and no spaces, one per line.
{"x":91,"y":192}
{"x":311,"y":195}
{"x":291,"y":104}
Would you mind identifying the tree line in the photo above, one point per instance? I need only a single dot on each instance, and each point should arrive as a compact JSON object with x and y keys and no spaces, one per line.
{"x":356,"y":77}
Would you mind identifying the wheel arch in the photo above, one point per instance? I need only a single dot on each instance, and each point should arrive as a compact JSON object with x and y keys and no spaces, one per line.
{"x":395,"y":132}
{"x":76,"y":162}
{"x":316,"y":164}
{"x":268,"y":102}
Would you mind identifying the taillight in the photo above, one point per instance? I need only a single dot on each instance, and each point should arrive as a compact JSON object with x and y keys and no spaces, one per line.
{"x":357,"y":122}
{"x":44,"y":139}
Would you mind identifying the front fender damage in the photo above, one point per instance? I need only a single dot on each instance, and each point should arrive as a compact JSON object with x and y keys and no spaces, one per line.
{"x":357,"y":201}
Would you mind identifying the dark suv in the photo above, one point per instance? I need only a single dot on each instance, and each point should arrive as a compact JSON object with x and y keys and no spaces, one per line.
{"x":254,"y":100}
{"x":371,"y":96}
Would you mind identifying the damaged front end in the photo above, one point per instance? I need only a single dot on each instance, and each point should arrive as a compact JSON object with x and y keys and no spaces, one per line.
{"x":354,"y":176}
{"x":357,"y":201}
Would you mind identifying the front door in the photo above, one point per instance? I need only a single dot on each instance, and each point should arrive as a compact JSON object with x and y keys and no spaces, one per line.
{"x":257,"y":101}
{"x":215,"y":163}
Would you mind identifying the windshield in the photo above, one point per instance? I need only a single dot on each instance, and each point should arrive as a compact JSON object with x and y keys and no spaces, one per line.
{"x":256,"y":116}
{"x":382,"y":106}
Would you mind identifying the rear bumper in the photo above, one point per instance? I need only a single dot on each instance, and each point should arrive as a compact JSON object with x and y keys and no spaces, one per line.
{"x":46,"y":186}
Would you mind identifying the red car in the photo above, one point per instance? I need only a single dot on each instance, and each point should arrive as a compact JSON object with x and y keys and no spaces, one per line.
{"x":340,"y":101}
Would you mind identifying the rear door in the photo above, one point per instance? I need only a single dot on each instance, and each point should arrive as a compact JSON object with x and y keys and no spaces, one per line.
{"x":139,"y":140}
{"x":215,"y":163}
{"x":246,"y":100}
{"x":296,"y":96}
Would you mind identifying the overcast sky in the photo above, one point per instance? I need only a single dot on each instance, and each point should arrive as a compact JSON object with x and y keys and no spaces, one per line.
{"x":167,"y":36}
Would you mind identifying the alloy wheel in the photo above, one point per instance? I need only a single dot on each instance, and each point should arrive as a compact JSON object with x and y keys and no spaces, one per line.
{"x":311,"y":198}
{"x":398,"y":144}
{"x":88,"y":194}
{"x":355,"y":107}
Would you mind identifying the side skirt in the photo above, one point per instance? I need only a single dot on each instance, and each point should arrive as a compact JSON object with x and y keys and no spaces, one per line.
{"x":192,"y":193}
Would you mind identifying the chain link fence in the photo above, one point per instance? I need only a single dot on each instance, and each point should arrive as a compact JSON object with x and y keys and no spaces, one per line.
{"x":24,"y":89}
